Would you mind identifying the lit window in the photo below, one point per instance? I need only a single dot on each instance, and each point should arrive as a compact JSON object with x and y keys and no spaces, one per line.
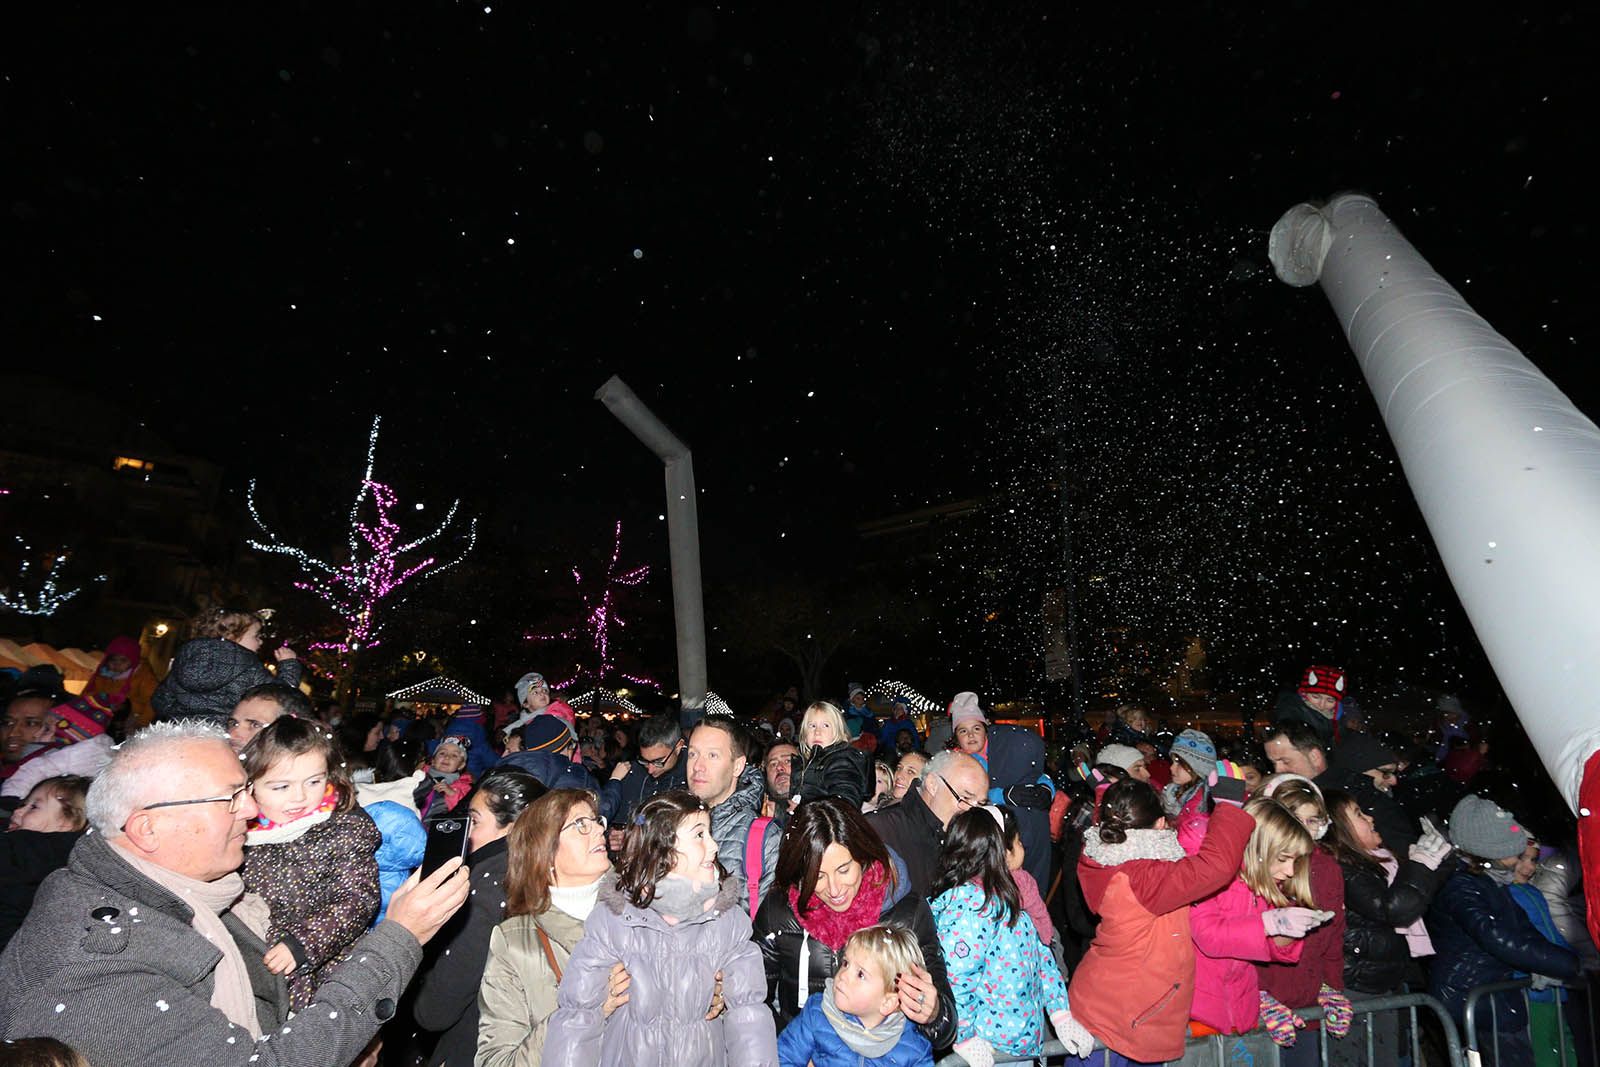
{"x":126,"y":463}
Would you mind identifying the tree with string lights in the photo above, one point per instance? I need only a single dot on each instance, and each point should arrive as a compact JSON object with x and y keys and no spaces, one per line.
{"x":383,"y":567}
{"x":37,"y":592}
{"x":595,"y":628}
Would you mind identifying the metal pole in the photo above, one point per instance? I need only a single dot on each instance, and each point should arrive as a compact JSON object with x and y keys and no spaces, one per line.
{"x":683,"y":533}
{"x":1506,"y":471}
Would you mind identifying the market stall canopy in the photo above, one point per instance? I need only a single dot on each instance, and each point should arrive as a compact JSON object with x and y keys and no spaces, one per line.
{"x":440,"y":690}
{"x":76,"y":665}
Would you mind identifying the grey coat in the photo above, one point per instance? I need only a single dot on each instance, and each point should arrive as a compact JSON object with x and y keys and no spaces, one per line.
{"x":108,"y":963}
{"x":730,"y":828}
{"x":672,"y":971}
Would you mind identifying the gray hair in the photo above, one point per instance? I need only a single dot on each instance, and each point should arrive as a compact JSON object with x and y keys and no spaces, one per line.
{"x":124,"y":786}
{"x":940,"y":763}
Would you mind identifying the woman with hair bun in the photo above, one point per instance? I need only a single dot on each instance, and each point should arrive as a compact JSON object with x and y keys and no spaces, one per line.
{"x":1135,"y":985}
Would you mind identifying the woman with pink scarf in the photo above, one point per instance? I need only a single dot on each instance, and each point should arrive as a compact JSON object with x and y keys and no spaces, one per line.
{"x":1385,"y":899}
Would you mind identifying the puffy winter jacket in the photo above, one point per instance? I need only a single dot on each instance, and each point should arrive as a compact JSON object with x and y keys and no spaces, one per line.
{"x":210,"y":674}
{"x":730,"y":828}
{"x":1375,"y":952}
{"x":1004,"y":980}
{"x":789,"y":951}
{"x":1557,"y":878}
{"x":672,"y":971}
{"x":1135,"y":984}
{"x":1480,"y":935}
{"x":552,"y":770}
{"x":811,"y":1039}
{"x":518,"y":993}
{"x":840,"y":770}
{"x":1014,"y":758}
{"x":404,"y":841}
{"x":1229,"y":939}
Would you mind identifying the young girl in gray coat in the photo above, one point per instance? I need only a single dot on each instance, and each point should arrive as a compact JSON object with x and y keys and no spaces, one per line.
{"x":674,"y":919}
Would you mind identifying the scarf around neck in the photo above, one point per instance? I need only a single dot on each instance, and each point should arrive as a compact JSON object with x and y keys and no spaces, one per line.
{"x":231,"y":992}
{"x":870,"y":1042}
{"x":833,"y":928}
{"x":263,"y":831}
{"x":678,"y":899}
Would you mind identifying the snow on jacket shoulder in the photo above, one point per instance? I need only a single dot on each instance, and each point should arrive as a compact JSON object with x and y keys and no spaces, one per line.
{"x":1134,"y":987}
{"x":1004,"y":980}
{"x":672,"y":971}
{"x":1229,"y":939}
{"x":811,"y":1039}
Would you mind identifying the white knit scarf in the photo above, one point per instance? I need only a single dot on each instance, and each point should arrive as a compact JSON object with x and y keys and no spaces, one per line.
{"x":231,"y":992}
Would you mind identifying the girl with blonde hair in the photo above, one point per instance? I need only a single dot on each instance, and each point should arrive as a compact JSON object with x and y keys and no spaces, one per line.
{"x":833,"y":767}
{"x":1260,"y":917}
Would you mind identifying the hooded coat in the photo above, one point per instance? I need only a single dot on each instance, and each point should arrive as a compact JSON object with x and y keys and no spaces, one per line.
{"x":210,"y":674}
{"x":672,"y":970}
{"x":404,"y":842}
{"x":797,"y":965}
{"x":1135,"y":984}
{"x":731,"y":822}
{"x":69,"y":970}
{"x":1015,"y":758}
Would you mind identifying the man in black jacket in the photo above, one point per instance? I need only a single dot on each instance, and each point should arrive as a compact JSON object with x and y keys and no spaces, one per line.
{"x":660,"y":768}
{"x":951,"y":783}
{"x":1295,"y":748}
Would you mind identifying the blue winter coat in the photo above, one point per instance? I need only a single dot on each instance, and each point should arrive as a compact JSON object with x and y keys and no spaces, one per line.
{"x":1479,"y":936}
{"x":554,"y":771}
{"x":404,"y":840}
{"x":811,"y":1038}
{"x":894,"y":728}
{"x":1004,"y":980}
{"x":1016,"y":757}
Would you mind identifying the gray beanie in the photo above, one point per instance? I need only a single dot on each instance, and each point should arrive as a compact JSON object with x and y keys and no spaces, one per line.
{"x":1486,"y":830}
{"x":1124,"y":756}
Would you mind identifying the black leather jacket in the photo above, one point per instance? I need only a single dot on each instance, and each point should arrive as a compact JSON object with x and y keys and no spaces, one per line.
{"x":1375,"y":953}
{"x":840,"y":770}
{"x":778,"y":932}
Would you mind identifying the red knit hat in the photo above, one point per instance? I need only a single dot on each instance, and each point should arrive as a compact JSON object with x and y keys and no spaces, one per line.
{"x":1319,"y":678}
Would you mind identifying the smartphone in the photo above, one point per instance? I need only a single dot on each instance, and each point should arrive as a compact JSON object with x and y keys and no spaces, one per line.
{"x":447,"y":837}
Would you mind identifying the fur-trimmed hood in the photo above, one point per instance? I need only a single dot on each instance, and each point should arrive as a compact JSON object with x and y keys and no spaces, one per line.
{"x":1140,"y":845}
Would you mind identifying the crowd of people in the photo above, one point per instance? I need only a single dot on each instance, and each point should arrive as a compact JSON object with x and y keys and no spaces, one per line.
{"x":224,"y":872}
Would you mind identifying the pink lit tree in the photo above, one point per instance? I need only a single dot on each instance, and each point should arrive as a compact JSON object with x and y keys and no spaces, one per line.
{"x":595,"y":628}
{"x":383,"y":567}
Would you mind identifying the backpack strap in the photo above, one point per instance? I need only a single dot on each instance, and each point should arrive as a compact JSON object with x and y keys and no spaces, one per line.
{"x":754,"y":855}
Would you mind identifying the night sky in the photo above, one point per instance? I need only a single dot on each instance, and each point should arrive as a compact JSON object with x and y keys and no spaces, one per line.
{"x":863,"y":261}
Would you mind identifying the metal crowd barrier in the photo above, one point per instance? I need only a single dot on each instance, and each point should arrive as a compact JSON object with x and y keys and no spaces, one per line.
{"x":1257,"y":1050}
{"x":1572,"y":1016}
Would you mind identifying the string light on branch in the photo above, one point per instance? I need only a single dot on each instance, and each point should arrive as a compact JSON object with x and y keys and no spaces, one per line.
{"x":49,"y":596}
{"x":381,"y":564}
{"x":599,"y":616}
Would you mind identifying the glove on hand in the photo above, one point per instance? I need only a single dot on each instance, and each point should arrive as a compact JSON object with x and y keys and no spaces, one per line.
{"x":1278,"y":1021}
{"x":1070,"y":1032}
{"x":1292,"y":922}
{"x":1540,"y":981}
{"x":1430,"y":850}
{"x":1336,"y":1013}
{"x":1227,"y":783}
{"x":976,"y":1051}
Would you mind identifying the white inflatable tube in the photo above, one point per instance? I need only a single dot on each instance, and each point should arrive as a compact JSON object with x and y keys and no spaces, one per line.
{"x":1505,"y":469}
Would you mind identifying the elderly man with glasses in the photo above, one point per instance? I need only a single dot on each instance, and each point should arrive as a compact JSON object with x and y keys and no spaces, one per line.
{"x":145,"y":948}
{"x":951,"y":783}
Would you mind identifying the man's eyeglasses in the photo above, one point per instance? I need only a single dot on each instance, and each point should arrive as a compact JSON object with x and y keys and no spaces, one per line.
{"x":234,"y":800}
{"x":964,"y":801}
{"x":660,"y":762}
{"x":585,"y":824}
